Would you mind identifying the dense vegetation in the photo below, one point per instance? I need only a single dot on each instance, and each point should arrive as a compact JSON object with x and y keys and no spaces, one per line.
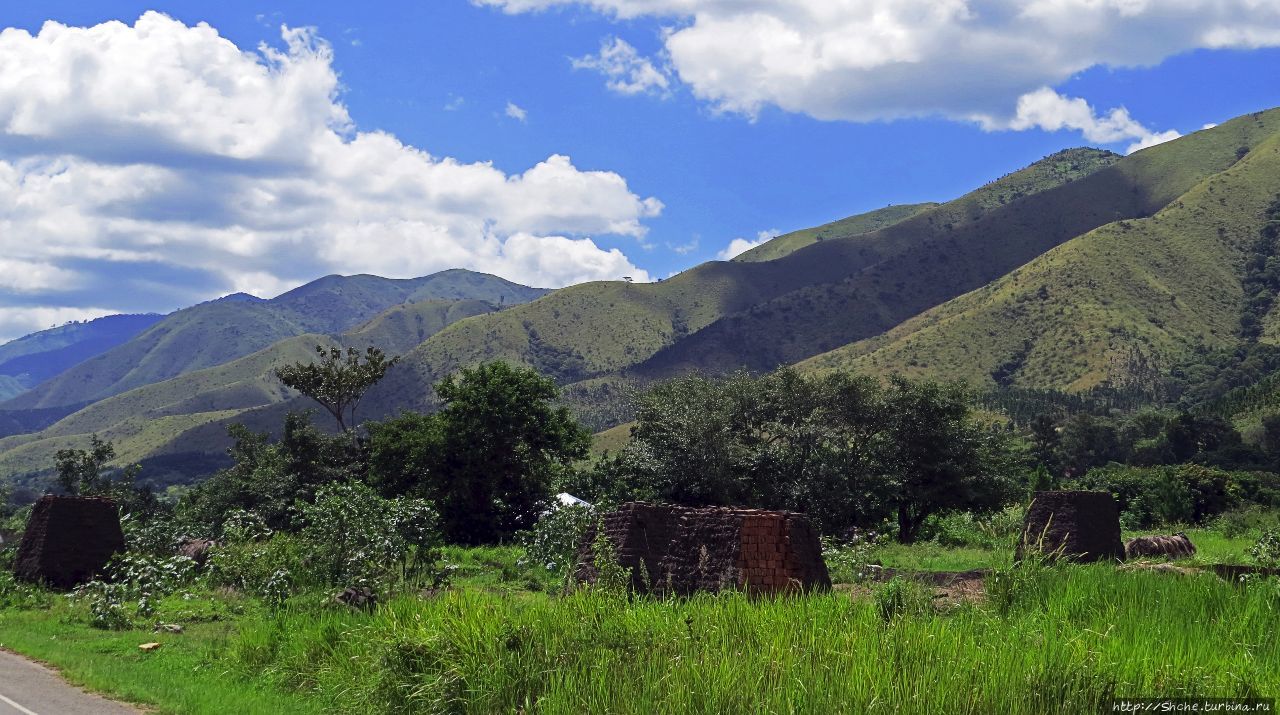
{"x":386,"y":515}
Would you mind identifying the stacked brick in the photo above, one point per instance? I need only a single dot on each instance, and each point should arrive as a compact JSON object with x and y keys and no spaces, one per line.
{"x":68,"y":540}
{"x":681,"y":550}
{"x":1073,"y":525}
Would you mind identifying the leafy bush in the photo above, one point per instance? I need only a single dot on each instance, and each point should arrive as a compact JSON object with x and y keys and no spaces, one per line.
{"x":1245,"y":520}
{"x":140,"y":578}
{"x":1187,"y":493}
{"x":353,"y":537}
{"x":1266,"y":552}
{"x":19,"y":595}
{"x":553,"y":542}
{"x":965,"y":529}
{"x":849,"y":560}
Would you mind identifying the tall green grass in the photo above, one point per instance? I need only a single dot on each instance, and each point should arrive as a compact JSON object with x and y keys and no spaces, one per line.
{"x":1059,"y":640}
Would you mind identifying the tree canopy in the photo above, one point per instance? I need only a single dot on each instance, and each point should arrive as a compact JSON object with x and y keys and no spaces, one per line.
{"x":338,"y":380}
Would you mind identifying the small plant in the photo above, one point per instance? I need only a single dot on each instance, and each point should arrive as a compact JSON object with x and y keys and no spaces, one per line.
{"x":553,"y":542}
{"x":105,"y":602}
{"x":903,"y":597}
{"x":611,"y":576}
{"x":850,"y":560}
{"x":1266,"y":552}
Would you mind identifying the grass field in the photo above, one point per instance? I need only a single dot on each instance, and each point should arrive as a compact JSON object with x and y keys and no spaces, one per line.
{"x":506,"y":639}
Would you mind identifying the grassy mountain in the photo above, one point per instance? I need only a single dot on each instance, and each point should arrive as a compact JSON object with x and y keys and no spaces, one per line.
{"x":957,"y":247}
{"x":1082,"y":269}
{"x":147,"y":419}
{"x":32,"y":359}
{"x":844,"y":228}
{"x":219,"y":331}
{"x":1117,"y":305}
{"x":595,"y":330}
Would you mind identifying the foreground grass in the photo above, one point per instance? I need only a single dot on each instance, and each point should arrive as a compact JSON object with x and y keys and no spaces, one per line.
{"x":1061,"y":641}
{"x":1044,"y":640}
{"x":188,"y":674}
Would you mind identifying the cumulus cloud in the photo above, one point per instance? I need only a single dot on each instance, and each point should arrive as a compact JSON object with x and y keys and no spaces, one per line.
{"x":625,"y":70}
{"x":156,"y":164}
{"x":738,"y":246}
{"x":1051,"y":111}
{"x":969,"y":60}
{"x":516,"y":112}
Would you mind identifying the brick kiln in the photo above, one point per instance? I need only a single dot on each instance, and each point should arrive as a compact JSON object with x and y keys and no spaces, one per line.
{"x":681,"y":550}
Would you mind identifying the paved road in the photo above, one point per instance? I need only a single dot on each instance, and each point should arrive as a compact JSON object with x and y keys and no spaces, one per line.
{"x":28,"y":688}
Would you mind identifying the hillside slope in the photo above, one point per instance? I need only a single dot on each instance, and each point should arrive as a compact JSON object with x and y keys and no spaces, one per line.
{"x":596,"y":329}
{"x":844,"y":228}
{"x":952,"y":258}
{"x":146,"y":419}
{"x":32,"y":359}
{"x":219,"y":331}
{"x":1115,"y":306}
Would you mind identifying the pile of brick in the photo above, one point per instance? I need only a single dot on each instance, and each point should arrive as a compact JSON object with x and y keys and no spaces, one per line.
{"x":1073,"y":525}
{"x":682,"y":550}
{"x":68,"y":540}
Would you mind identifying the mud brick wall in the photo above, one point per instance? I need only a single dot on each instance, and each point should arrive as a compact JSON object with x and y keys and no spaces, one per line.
{"x":681,"y":550}
{"x":68,"y":540}
{"x":1075,"y":525}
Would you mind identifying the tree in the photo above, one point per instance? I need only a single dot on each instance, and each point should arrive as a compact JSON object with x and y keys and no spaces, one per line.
{"x":85,"y":472}
{"x":269,"y":478}
{"x":1088,"y":442}
{"x":840,"y":448}
{"x":338,"y":382}
{"x":489,"y":458}
{"x":780,"y":441}
{"x":1045,"y":441}
{"x":936,"y":458}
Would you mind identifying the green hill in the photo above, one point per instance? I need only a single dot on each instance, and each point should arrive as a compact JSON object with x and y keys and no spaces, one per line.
{"x":1118,"y":305}
{"x":844,"y":228}
{"x":1081,"y":270}
{"x":957,"y":247}
{"x":148,"y":418}
{"x":219,"y":331}
{"x":32,"y":359}
{"x":600,"y":329}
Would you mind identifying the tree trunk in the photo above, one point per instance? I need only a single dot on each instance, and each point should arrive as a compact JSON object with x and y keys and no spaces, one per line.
{"x":906,"y":526}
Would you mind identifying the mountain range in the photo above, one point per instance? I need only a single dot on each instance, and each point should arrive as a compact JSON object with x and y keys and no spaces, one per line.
{"x":1084,"y":271}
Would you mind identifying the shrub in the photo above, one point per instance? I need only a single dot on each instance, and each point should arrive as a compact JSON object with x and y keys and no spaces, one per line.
{"x":353,"y":537}
{"x":1246,"y":520}
{"x":553,"y":542}
{"x":1266,"y":552}
{"x":849,"y":560}
{"x":965,"y":529}
{"x":903,"y":597}
{"x":140,"y":578}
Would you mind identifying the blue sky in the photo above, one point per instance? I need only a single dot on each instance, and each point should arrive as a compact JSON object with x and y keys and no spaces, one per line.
{"x":725,"y":136}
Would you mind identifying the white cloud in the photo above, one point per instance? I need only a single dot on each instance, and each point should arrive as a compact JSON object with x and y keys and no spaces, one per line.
{"x":969,"y":60}
{"x":15,"y":322}
{"x":1050,"y":111}
{"x":516,"y":112}
{"x":625,"y":70}
{"x":739,"y":246}
{"x":23,"y":276}
{"x":165,"y":150}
